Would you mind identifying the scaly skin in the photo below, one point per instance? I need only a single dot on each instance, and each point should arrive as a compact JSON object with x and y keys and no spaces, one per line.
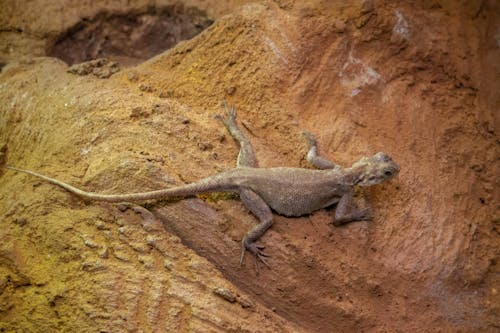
{"x":288,"y":191}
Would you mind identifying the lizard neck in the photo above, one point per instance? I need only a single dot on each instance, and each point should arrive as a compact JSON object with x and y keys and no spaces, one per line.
{"x":352,"y":176}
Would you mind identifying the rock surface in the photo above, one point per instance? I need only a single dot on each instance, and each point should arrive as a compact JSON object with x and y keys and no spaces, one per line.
{"x":418,"y":81}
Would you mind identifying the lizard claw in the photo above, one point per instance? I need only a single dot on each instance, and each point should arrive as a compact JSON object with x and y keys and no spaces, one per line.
{"x":260,"y":252}
{"x":257,"y":252}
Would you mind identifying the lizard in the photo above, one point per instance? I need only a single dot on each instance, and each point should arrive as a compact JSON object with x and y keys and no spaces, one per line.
{"x":288,"y":191}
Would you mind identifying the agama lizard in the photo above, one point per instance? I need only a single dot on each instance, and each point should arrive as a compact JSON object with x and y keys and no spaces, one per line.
{"x":287,"y":191}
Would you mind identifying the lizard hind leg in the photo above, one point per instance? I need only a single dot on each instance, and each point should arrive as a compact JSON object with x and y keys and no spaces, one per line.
{"x":313,"y":157}
{"x":246,"y":156}
{"x":261,"y":210}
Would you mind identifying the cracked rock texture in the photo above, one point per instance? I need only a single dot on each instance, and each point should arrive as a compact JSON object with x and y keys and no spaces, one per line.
{"x":417,"y":80}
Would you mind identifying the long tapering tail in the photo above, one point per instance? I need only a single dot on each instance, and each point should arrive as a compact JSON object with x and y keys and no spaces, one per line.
{"x":202,"y":186}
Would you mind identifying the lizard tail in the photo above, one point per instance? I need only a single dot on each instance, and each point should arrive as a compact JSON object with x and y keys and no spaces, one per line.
{"x":202,"y":186}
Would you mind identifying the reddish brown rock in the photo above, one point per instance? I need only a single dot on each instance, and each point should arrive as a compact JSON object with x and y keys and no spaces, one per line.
{"x":418,"y":81}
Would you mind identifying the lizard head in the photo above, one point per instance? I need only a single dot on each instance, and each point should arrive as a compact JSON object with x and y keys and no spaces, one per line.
{"x":375,"y":169}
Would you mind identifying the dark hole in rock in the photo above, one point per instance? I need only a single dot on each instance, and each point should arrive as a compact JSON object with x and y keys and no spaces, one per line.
{"x":129,"y":38}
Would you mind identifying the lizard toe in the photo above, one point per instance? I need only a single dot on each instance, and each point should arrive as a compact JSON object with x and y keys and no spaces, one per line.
{"x":258,"y":254}
{"x":365,"y":214}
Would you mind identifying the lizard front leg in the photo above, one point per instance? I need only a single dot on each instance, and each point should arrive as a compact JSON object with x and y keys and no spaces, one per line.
{"x":261,"y":210}
{"x":348,"y":211}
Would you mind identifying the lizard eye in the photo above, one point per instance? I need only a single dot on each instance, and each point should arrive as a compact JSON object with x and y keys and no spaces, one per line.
{"x":388,"y":173}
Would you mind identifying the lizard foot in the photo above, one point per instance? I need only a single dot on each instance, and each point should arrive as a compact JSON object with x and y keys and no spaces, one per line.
{"x":257,"y":252}
{"x":311,"y":139}
{"x":230,"y":119}
{"x":361,"y":215}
